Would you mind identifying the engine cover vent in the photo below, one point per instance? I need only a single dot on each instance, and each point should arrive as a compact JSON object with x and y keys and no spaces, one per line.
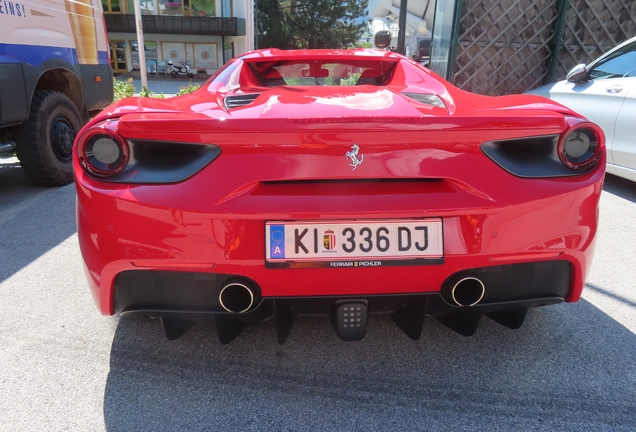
{"x":237,"y":101}
{"x":428,"y":99}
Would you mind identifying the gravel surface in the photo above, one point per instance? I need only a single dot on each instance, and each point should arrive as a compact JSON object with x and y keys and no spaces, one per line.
{"x":63,"y":366}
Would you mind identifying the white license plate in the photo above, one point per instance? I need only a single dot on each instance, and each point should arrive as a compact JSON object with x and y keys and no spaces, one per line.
{"x":355,"y":243}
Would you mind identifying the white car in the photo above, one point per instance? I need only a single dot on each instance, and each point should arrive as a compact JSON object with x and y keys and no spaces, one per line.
{"x":605,"y":92}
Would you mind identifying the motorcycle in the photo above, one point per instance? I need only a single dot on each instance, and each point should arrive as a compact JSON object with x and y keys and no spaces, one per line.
{"x":176,"y":71}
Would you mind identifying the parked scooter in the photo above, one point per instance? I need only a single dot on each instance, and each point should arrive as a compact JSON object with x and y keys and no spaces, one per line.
{"x":176,"y":71}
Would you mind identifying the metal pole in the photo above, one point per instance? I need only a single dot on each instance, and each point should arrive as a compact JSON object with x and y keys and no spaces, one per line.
{"x":140,"y":45}
{"x":401,"y":48}
{"x":249,"y":24}
{"x":223,"y":48}
{"x":452,"y":52}
{"x":558,"y":41}
{"x":256,"y":24}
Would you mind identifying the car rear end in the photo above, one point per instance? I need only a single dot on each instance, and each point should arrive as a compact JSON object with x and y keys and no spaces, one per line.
{"x":302,"y":201}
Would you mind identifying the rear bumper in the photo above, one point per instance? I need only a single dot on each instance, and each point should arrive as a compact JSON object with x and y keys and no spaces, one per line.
{"x":175,"y":229}
{"x":180,"y":299}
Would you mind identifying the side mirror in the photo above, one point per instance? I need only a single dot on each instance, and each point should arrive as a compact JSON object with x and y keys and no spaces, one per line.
{"x":382,"y":39}
{"x":577,"y":74}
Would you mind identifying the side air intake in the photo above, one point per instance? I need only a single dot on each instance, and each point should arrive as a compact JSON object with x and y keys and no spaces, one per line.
{"x":237,"y":101}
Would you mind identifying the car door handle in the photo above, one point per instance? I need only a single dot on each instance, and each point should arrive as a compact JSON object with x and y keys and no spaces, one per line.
{"x":614,"y":89}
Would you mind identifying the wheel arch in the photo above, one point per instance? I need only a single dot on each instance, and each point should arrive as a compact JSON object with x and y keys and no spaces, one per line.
{"x":63,"y":80}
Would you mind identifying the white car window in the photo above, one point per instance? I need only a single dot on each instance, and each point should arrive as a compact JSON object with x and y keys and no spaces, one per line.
{"x":620,"y":64}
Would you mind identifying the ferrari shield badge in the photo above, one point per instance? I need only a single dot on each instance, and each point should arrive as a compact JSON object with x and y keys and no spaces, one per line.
{"x":353,"y":155}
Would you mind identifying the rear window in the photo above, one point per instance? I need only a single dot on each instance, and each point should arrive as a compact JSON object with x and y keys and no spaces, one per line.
{"x":322,"y":72}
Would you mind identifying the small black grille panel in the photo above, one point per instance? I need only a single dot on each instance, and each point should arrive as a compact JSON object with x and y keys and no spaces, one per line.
{"x":237,"y":101}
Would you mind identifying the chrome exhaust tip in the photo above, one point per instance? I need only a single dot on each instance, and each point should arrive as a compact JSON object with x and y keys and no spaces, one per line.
{"x":236,"y":297}
{"x":468,"y":291}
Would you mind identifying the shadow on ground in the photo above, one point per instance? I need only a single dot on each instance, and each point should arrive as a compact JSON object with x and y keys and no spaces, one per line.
{"x":570,"y":367}
{"x":34,"y":219}
{"x":621,"y":187}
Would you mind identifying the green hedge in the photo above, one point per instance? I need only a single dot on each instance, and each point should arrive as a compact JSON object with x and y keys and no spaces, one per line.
{"x":124,"y":89}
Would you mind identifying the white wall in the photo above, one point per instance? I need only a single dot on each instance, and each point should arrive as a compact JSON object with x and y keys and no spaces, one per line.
{"x":186,"y":39}
{"x":239,"y":8}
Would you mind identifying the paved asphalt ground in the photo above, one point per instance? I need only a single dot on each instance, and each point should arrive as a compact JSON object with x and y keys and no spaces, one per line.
{"x":63,"y":366}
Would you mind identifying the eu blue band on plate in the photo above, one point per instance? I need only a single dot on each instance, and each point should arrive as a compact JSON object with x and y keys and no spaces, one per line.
{"x":277,"y":241}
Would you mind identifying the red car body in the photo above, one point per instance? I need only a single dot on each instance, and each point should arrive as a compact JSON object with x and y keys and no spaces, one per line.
{"x":177,"y":219}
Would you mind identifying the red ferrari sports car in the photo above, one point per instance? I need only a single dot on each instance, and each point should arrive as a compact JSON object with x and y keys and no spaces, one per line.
{"x":337,"y":182}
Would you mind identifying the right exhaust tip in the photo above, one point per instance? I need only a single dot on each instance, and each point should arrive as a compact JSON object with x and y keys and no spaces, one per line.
{"x":236,"y":297}
{"x":468,"y":291}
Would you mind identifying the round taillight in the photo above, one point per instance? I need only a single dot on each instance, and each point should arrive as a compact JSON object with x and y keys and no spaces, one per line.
{"x":104,"y":155}
{"x":580,"y":148}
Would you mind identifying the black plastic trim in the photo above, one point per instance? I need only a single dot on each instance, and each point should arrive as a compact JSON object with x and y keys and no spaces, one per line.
{"x":357,"y":263}
{"x":14,"y":106}
{"x":150,"y":289}
{"x":189,"y":294}
{"x":162,"y":162}
{"x":98,"y":94}
{"x":513,"y":282}
{"x":531,"y":157}
{"x":382,"y":304}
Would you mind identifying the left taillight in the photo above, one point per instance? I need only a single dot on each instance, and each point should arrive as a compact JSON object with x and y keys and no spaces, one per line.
{"x":577,"y":150}
{"x":581,"y":146}
{"x":102,"y":153}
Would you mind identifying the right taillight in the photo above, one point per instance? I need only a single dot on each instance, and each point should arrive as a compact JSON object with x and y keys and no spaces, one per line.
{"x":102,"y":153}
{"x":581,"y":146}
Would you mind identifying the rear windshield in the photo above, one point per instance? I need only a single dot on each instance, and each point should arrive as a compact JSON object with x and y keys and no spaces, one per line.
{"x":322,"y":72}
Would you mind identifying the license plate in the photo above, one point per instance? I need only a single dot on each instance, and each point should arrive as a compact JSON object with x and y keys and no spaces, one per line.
{"x":354,"y":244}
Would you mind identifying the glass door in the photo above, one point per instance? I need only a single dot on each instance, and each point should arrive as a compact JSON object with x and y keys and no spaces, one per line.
{"x":118,"y":56}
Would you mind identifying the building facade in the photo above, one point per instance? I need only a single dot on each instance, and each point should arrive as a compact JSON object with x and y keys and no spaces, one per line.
{"x":203,"y":33}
